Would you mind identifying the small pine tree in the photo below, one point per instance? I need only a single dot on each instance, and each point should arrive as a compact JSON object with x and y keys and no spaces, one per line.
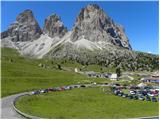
{"x":118,"y":72}
{"x":59,"y":66}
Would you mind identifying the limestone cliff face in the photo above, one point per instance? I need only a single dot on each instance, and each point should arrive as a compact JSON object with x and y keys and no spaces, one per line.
{"x":93,"y":24}
{"x":54,"y":27}
{"x":25,"y":28}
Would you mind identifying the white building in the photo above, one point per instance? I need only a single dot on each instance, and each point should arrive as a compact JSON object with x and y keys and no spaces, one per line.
{"x":114,"y":76}
{"x":76,"y":70}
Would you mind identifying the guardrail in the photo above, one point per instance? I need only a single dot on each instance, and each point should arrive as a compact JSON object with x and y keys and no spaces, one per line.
{"x":20,"y":112}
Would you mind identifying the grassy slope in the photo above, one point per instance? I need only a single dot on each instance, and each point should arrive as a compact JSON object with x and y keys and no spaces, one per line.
{"x":23,"y":74}
{"x":70,"y":104}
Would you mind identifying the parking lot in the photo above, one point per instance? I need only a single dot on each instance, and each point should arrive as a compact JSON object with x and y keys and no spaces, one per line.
{"x":136,"y":93}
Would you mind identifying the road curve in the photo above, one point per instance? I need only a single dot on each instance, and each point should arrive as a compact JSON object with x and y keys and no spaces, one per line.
{"x":7,"y":111}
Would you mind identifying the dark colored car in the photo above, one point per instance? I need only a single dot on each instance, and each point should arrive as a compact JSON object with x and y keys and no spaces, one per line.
{"x":36,"y":92}
{"x":120,"y":94}
{"x":70,"y":87}
{"x":125,"y":95}
{"x":50,"y":89}
{"x":154,"y":99}
{"x":148,"y":98}
{"x":117,"y":84}
{"x":144,"y":93}
{"x":135,"y":97}
{"x":82,"y":86}
{"x":139,"y":92}
{"x":116,"y":92}
{"x":130,"y":97}
{"x":46,"y":90}
{"x":141,"y":98}
{"x":76,"y":86}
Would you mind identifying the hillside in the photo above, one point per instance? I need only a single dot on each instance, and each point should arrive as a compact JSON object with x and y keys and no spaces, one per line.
{"x":20,"y":74}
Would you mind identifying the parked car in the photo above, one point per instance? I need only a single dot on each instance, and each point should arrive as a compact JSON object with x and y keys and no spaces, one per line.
{"x":134,"y":87}
{"x":132,"y":92}
{"x":94,"y":83}
{"x":135,"y":97}
{"x":57,"y":89}
{"x":141,"y":98}
{"x":82,"y":86}
{"x":144,"y":93}
{"x":139,"y":92}
{"x":36,"y":92}
{"x":67,"y":87}
{"x":116,"y":92}
{"x":148,"y":98}
{"x":120,"y":94}
{"x":117,"y":84}
{"x":154,"y":99}
{"x":154,"y":92}
{"x":62,"y":88}
{"x":76,"y":86}
{"x":125,"y":95}
{"x":54,"y":89}
{"x":71,"y":87}
{"x":41,"y":91}
{"x":130,"y":97}
{"x":150,"y":94}
{"x":50,"y":89}
{"x":44,"y":91}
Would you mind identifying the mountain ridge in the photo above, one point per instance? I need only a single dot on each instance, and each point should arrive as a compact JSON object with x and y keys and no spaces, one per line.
{"x":94,"y":39}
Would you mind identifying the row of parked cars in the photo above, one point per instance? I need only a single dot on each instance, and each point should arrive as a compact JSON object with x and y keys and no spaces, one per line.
{"x":136,"y":96}
{"x":54,"y":89}
{"x":150,"y":93}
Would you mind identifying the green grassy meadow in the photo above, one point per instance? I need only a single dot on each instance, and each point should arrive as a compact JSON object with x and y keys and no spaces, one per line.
{"x":21,"y":74}
{"x":83,"y":103}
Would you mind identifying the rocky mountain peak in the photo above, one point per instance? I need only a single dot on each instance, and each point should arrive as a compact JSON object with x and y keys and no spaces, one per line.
{"x":25,"y":28}
{"x":25,"y":16}
{"x":95,"y":25}
{"x":54,"y":27}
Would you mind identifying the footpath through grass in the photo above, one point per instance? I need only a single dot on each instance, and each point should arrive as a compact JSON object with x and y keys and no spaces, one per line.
{"x":83,"y":103}
{"x":21,"y":74}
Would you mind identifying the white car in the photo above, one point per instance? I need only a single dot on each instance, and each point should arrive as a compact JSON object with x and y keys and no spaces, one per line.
{"x":42,"y":91}
{"x":94,"y":83}
{"x":151,"y":95}
{"x":132,"y":92}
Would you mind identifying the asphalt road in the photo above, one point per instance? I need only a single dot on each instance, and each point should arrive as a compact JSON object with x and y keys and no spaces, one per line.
{"x":7,"y":111}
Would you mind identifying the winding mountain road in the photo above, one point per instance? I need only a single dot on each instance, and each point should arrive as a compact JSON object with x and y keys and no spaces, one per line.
{"x":7,"y":111}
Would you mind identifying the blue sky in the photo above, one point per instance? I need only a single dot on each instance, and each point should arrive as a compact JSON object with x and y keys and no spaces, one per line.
{"x":140,"y":19}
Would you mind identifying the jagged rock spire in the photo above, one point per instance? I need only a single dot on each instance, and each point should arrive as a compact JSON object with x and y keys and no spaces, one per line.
{"x":54,"y":27}
{"x":25,"y":28}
